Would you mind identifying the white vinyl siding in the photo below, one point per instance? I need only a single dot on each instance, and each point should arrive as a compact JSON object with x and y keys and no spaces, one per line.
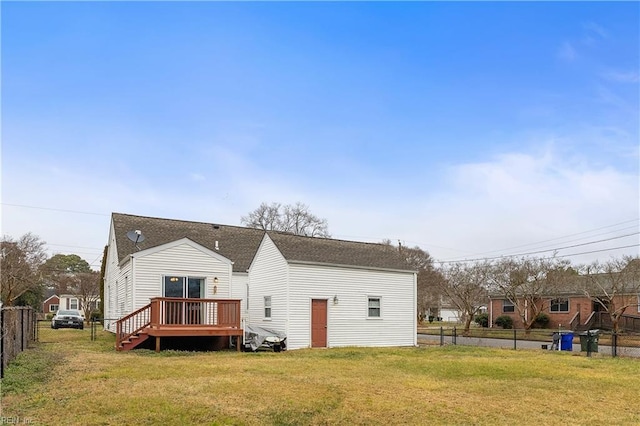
{"x":268,"y":277}
{"x":112,"y":271}
{"x":239,"y":283}
{"x":185,"y":259}
{"x":347,"y":321}
{"x":133,"y":284}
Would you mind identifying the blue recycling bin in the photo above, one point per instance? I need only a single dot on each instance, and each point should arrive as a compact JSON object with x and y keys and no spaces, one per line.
{"x":566,"y":341}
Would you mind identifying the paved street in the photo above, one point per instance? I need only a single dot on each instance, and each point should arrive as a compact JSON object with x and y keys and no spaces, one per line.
{"x":520,"y":344}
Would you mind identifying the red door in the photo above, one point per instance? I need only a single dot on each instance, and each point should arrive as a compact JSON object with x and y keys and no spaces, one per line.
{"x":318,"y":323}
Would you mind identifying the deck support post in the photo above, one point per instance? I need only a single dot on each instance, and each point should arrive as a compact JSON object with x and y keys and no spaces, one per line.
{"x":157,"y":343}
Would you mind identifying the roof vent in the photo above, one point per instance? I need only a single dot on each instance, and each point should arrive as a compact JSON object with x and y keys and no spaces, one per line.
{"x":216,"y":245}
{"x":216,"y":226}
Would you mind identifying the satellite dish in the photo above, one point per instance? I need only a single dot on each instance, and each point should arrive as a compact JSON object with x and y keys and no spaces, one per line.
{"x":135,"y":236}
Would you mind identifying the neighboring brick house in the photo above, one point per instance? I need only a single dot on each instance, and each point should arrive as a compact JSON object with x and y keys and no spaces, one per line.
{"x":51,"y":304}
{"x":567,"y":310}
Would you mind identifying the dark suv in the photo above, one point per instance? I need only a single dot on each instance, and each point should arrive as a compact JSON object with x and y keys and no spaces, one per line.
{"x":68,"y":319}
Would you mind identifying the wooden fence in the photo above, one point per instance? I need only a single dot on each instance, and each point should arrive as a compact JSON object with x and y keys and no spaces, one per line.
{"x":18,"y":328}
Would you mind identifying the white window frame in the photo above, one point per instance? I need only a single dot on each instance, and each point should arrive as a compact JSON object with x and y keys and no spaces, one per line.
{"x":509,"y":304}
{"x":369,"y":307}
{"x":558,"y":310}
{"x":51,"y":307}
{"x":71,"y":303}
{"x":267,"y":307}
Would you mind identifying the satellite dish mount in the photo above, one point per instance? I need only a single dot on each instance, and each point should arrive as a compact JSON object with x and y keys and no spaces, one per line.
{"x":136,"y":236}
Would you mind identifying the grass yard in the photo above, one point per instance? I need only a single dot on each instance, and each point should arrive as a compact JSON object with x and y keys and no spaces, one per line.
{"x":69,"y":380}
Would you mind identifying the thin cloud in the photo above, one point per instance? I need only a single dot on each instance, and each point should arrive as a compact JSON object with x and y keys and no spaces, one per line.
{"x":567,"y":52}
{"x":593,"y":28}
{"x":622,"y":76}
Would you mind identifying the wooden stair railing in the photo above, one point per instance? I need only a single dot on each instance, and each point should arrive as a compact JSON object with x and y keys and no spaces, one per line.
{"x":575,"y":322}
{"x":132,"y":324}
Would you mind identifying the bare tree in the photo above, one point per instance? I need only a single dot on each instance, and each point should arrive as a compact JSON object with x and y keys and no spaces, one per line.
{"x":614,"y":285}
{"x":466,"y":287}
{"x":86,"y":287}
{"x":20,"y":263}
{"x":295,"y":219}
{"x":429,"y":278}
{"x":525,"y":282}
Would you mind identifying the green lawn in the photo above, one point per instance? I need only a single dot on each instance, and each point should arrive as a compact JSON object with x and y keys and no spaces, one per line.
{"x":67,"y":379}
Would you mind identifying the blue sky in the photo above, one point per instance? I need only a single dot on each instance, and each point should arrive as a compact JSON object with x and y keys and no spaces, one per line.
{"x":469,"y":129}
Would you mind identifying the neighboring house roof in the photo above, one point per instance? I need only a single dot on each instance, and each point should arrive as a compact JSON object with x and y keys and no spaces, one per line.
{"x":50,"y":298}
{"x":240,"y":244}
{"x":48,"y":293}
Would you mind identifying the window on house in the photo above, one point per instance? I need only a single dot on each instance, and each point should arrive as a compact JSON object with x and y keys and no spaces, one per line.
{"x":267,"y":307}
{"x":53,"y":308}
{"x":507,"y":306}
{"x":374,"y":307}
{"x":560,"y":305}
{"x":73,"y":304}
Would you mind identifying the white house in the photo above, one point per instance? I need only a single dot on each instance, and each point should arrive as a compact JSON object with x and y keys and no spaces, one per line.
{"x":167,"y":277}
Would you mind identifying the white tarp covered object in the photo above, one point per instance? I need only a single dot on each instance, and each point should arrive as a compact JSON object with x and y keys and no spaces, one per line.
{"x":254,"y":337}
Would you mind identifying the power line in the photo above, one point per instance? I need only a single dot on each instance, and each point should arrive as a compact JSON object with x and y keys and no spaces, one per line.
{"x":553,"y":249}
{"x":563,"y":237}
{"x":81,"y":247}
{"x":52,"y":209}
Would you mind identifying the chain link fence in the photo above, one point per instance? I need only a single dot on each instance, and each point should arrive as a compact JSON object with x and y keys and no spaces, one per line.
{"x":590,"y":342}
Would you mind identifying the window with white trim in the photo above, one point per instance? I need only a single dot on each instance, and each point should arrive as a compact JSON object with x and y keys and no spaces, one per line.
{"x":374,"y":308}
{"x":267,"y":307}
{"x":559,"y":305}
{"x":53,"y":308}
{"x":73,"y":304}
{"x":508,"y":306}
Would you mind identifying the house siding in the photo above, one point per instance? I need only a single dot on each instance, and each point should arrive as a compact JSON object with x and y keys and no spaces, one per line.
{"x":183,"y":260}
{"x":239,"y":283}
{"x":268,"y":276}
{"x":111,"y":275}
{"x":347,"y":321}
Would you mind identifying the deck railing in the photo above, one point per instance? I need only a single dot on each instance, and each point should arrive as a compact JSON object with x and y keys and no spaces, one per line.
{"x":195,"y":312}
{"x":132,"y":324}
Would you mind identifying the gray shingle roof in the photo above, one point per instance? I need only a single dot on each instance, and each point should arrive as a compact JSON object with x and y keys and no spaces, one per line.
{"x":240,"y":244}
{"x":338,"y":252}
{"x":236,"y":243}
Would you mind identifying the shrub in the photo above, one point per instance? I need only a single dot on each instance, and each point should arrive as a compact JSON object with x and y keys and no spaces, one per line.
{"x":504,"y":321}
{"x":542,"y":320}
{"x":482,"y":320}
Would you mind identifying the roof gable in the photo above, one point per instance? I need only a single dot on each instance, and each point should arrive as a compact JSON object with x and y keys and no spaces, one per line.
{"x":180,"y":242}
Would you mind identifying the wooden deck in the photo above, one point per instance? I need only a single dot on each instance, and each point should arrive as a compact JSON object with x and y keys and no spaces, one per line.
{"x":178,"y":317}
